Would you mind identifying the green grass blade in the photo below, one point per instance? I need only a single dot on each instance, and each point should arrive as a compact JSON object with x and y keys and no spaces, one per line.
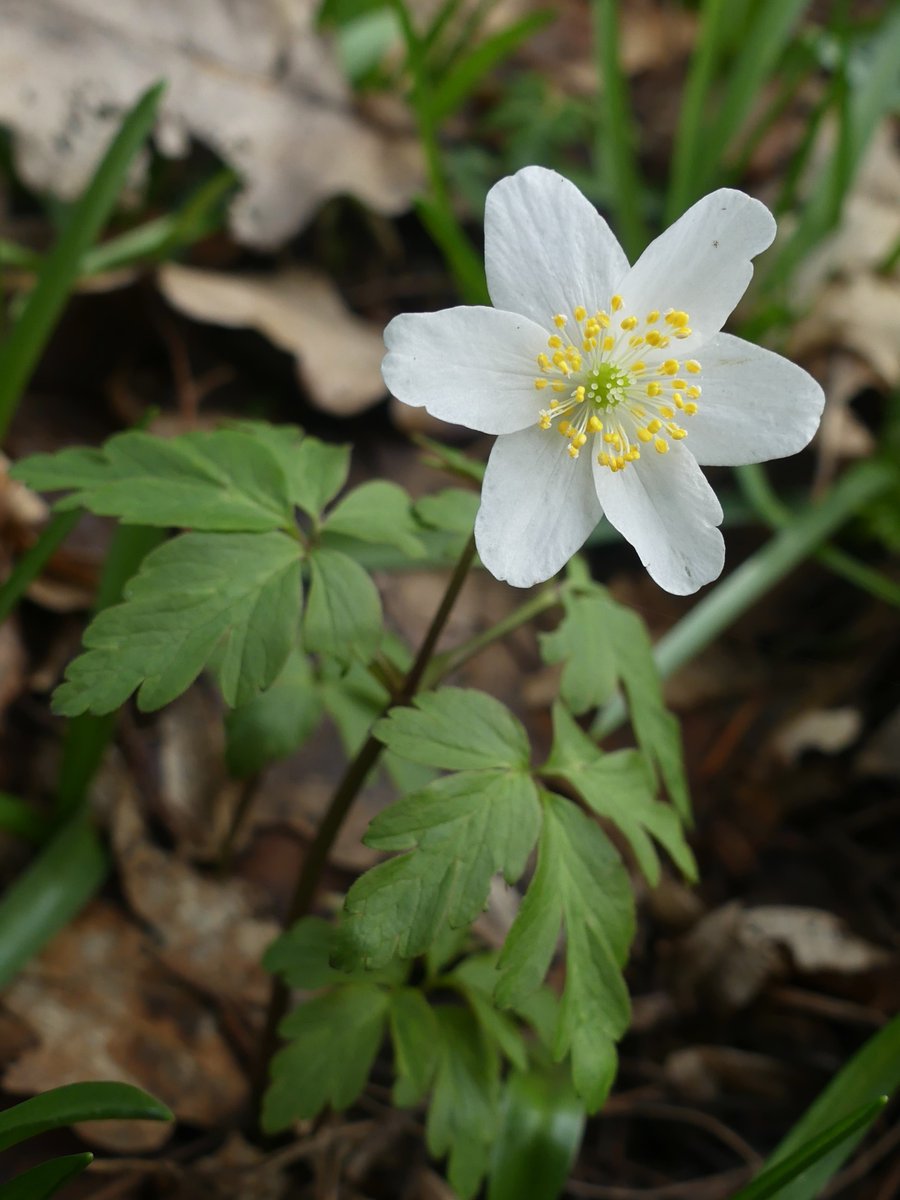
{"x":45,"y":1180}
{"x":76,"y":1102}
{"x":688,"y":152}
{"x":22,"y":349}
{"x":543,"y":1123}
{"x":49,"y":893}
{"x":464,"y":75}
{"x":35,"y":559}
{"x":778,"y":1181}
{"x":769,"y":33}
{"x":20,"y":819}
{"x":615,"y":149}
{"x":872,"y":1073}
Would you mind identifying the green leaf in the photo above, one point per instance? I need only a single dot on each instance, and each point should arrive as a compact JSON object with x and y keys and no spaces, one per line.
{"x":456,"y":729}
{"x":656,"y":729}
{"x":225,"y":481}
{"x":229,"y":601}
{"x":464,"y":1112}
{"x":579,"y":881}
{"x":619,"y":786}
{"x":415,"y":1034}
{"x":45,"y":1180}
{"x":378,"y":512}
{"x":583,"y":643}
{"x":76,"y":1102}
{"x":460,"y":830}
{"x":22,"y":348}
{"x":303,"y":954}
{"x":276,"y":722}
{"x":475,"y":977}
{"x":315,"y":471}
{"x":334,"y":1040}
{"x":779,"y":1179}
{"x":542,"y":1127}
{"x":343,"y":613}
{"x":68,"y":870}
{"x":452,"y":510}
{"x":22,"y":819}
{"x":874,"y":1071}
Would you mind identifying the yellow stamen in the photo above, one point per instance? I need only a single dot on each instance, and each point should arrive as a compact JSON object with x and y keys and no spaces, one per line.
{"x":616,"y":303}
{"x":579,"y":313}
{"x":661,"y":446}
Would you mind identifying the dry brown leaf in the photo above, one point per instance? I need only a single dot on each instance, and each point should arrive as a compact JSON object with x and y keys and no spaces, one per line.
{"x":101,"y":1007}
{"x":338,"y":354}
{"x":827,"y":730}
{"x":816,"y":940}
{"x":209,"y":932}
{"x":249,"y":78}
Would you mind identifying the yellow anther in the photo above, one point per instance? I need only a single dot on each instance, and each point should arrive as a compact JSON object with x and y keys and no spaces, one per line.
{"x":554,"y":403}
{"x":677,"y":432}
{"x":683,"y":333}
{"x":654,"y":388}
{"x":661,"y":446}
{"x":620,"y":463}
{"x":645,"y":435}
{"x":667,"y":412}
{"x":638,"y":412}
{"x":579,"y":393}
{"x":670,"y":366}
{"x":633,"y":454}
{"x":636,"y":340}
{"x":580,"y":440}
{"x":608,"y":343}
{"x":616,"y":303}
{"x":629,"y":322}
{"x":654,"y":337}
{"x":573,"y":452}
{"x":543,"y":362}
{"x":603,"y":459}
{"x":544,"y":422}
{"x":559,"y":386}
{"x":595,"y":424}
{"x":637,"y":367}
{"x":693,"y":366}
{"x":690,"y":408}
{"x":589,"y":344}
{"x":655,"y":425}
{"x":678,"y":385}
{"x":559,"y":320}
{"x":579,"y":312}
{"x":663,"y":342}
{"x":610,"y":438}
{"x":694,"y":392}
{"x":564,"y":428}
{"x":677,"y":318}
{"x":554,"y":342}
{"x":652,"y":317}
{"x":601,"y":316}
{"x":679,"y":401}
{"x":540,"y":383}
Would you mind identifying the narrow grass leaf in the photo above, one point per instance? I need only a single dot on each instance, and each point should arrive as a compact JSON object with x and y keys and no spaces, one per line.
{"x":45,"y":1180}
{"x":76,"y":1102}
{"x":541,"y":1129}
{"x":20,"y":352}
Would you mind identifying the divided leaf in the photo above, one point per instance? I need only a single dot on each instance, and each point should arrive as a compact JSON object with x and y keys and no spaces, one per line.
{"x":224,"y":481}
{"x":460,"y":830}
{"x":276,"y":722}
{"x":464,"y":1114}
{"x":227,"y":601}
{"x":582,"y":642}
{"x":377,"y":512}
{"x":456,"y":729}
{"x":315,"y":471}
{"x":334,"y":1040}
{"x":619,"y":786}
{"x":452,"y":510}
{"x":343,"y":612}
{"x":579,"y":882}
{"x":414,"y":1033}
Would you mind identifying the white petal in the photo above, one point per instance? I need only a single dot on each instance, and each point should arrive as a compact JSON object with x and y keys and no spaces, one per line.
{"x":537,"y":507}
{"x":701,"y":264}
{"x":755,"y":405}
{"x":546,"y":248}
{"x":664,"y":506}
{"x":472,"y":366}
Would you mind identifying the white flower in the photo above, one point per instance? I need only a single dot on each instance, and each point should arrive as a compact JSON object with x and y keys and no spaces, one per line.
{"x":609,"y":385}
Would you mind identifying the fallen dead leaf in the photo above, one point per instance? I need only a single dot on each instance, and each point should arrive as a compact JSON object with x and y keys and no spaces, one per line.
{"x":102,"y":1007}
{"x":209,"y":932}
{"x":703,"y":1073}
{"x":299,"y":311}
{"x":249,"y":78}
{"x":817,"y":940}
{"x":827,"y":730}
